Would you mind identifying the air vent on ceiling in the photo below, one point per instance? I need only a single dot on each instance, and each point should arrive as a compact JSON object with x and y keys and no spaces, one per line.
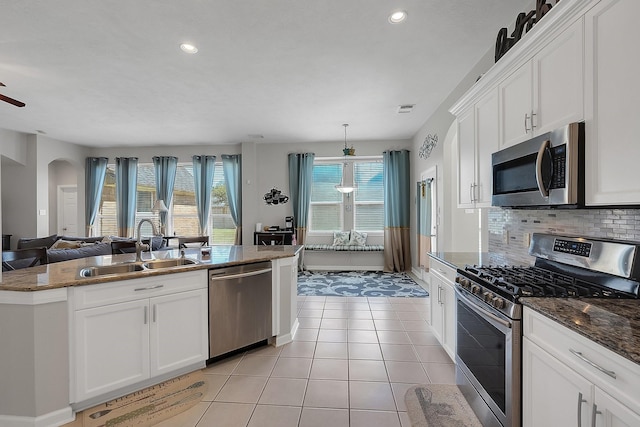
{"x":406,"y":108}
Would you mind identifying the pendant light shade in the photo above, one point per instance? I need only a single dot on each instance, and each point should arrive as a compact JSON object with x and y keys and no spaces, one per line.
{"x":346,"y":189}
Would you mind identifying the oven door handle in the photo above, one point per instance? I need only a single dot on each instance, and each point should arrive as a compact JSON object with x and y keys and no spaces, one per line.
{"x":479,"y":310}
{"x":543,"y":151}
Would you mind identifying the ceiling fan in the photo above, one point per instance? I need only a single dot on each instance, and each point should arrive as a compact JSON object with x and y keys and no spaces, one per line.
{"x":11,"y":100}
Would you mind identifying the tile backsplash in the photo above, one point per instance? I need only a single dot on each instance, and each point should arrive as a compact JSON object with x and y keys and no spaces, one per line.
{"x":508,"y":228}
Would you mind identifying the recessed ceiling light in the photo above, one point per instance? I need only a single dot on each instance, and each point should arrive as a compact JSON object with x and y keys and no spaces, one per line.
{"x":188,"y":48}
{"x":397,"y":17}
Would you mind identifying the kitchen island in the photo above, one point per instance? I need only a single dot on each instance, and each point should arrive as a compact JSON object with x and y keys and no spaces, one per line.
{"x":46,"y":316}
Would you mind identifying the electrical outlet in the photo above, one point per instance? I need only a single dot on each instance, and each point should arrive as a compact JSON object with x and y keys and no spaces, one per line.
{"x":526,"y":239}
{"x":505,"y":237}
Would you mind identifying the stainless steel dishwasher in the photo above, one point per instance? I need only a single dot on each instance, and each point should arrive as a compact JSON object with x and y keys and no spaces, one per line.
{"x":239,"y":307}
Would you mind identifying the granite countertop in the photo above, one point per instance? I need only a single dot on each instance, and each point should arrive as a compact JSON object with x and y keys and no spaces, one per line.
{"x":612,"y":323}
{"x":66,"y":273}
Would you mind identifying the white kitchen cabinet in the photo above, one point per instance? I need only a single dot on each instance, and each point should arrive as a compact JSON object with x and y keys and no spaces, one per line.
{"x":546,"y":92}
{"x":127,"y":332}
{"x":561,"y":384}
{"x":112,"y":347}
{"x":477,"y":140}
{"x":177,"y":330}
{"x":612,"y":106}
{"x":443,"y":305}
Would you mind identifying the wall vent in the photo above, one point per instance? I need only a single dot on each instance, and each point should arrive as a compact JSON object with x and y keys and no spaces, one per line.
{"x":406,"y":108}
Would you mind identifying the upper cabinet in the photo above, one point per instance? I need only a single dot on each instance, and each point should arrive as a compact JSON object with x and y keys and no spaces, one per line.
{"x":477,"y":140}
{"x":612,"y":103}
{"x":546,"y":92}
{"x":576,"y":64}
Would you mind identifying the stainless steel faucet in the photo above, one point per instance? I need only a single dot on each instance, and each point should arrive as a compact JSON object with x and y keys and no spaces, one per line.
{"x":143,"y":246}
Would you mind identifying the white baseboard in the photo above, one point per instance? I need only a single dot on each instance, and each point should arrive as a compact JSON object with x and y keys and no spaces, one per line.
{"x":287,"y":338}
{"x":56,"y":418}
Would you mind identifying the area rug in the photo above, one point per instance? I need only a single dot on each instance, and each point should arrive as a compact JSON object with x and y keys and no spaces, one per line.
{"x":358,"y":284}
{"x":439,"y":405}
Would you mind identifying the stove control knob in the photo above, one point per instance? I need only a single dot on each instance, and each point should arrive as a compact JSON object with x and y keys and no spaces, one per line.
{"x":497,"y":302}
{"x":466,"y":283}
{"x":488,"y":297}
{"x":475,"y":289}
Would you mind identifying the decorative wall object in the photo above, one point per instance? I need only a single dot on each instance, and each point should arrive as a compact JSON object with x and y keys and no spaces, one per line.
{"x":524,"y":22}
{"x":428,"y":145}
{"x":275,"y":197}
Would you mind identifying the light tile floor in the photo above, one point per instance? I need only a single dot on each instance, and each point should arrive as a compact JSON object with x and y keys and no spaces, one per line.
{"x":350,"y":364}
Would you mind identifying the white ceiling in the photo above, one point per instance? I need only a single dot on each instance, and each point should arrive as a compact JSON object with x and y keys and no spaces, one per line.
{"x":110,"y":72}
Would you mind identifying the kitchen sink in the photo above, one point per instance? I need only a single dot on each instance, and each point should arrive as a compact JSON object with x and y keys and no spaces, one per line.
{"x":167,"y":263}
{"x":102,"y":270}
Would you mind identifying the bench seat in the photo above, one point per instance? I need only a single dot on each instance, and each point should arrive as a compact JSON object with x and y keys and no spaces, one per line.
{"x":325,"y":257}
{"x":324,"y":247}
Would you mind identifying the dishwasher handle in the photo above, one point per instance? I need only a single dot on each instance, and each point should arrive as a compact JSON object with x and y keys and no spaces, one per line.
{"x":213,"y":278}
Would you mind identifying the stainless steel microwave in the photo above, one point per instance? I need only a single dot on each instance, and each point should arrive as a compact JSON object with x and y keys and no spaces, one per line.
{"x":547,"y":170}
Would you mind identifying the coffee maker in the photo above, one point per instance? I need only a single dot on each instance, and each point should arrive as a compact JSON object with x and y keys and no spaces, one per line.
{"x":289,"y":223}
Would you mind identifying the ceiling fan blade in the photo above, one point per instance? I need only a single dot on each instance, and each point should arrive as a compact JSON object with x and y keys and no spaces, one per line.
{"x":12,"y":101}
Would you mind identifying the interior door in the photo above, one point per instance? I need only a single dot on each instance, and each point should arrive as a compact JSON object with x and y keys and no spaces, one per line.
{"x":68,"y":211}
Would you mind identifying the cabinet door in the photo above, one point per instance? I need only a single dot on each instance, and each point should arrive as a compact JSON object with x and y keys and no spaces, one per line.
{"x":611,"y":103}
{"x":552,"y":393}
{"x":558,"y":81}
{"x":487,"y":142}
{"x":437,"y":312}
{"x":516,"y":105}
{"x":449,"y":319}
{"x":612,"y":413}
{"x":466,"y":159}
{"x":179,"y":333}
{"x":112,"y":347}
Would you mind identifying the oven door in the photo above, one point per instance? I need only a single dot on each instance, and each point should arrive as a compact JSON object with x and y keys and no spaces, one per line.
{"x":488,"y":355}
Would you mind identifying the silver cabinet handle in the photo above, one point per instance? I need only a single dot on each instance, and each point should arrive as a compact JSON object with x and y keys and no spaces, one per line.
{"x":533,"y":126}
{"x":526,"y":117}
{"x":593,"y":415}
{"x":146,"y":315}
{"x":580,"y":356}
{"x":155,"y":309}
{"x":471,"y":192}
{"x":149,"y":288}
{"x":439,"y":294}
{"x":580,"y":402}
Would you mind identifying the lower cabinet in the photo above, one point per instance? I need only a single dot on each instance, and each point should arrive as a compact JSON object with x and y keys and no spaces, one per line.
{"x":161,"y":327}
{"x":560,"y":391}
{"x":443,"y":305}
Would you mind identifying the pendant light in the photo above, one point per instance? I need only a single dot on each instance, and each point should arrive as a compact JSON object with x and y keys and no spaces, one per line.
{"x":346,"y":189}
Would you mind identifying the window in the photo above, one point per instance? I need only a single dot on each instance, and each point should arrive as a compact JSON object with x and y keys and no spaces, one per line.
{"x":183,"y":215}
{"x":325,"y":211}
{"x":331,"y":210}
{"x":368,"y":209}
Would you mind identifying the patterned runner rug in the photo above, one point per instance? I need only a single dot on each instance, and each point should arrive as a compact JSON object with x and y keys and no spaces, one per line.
{"x":439,"y":405}
{"x":358,"y":283}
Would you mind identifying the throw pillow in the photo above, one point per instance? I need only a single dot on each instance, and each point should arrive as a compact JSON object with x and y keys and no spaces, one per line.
{"x":37,"y":242}
{"x":340,"y":238}
{"x":358,"y":238}
{"x":66,"y":244}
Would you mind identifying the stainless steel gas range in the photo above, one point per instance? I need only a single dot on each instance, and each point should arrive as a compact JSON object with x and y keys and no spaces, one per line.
{"x":489,"y":312}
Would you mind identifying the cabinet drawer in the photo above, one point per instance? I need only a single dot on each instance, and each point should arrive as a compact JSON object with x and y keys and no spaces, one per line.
{"x":444,"y":270}
{"x":129,"y":290}
{"x":564,"y":343}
